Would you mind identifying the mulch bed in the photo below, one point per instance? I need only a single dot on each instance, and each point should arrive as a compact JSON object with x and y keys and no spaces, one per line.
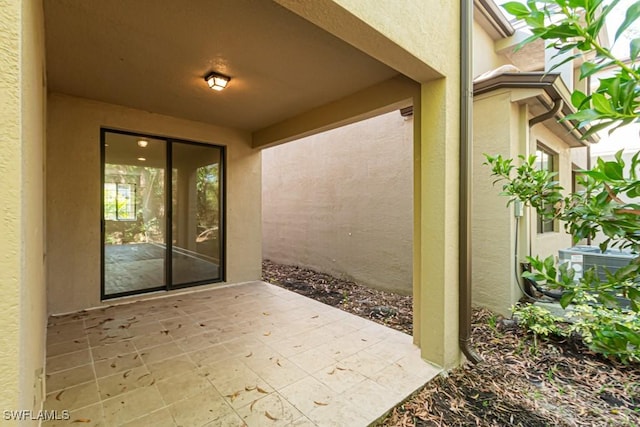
{"x":520,"y":382}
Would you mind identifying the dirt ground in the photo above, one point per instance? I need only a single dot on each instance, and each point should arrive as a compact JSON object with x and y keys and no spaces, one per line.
{"x":521,"y":381}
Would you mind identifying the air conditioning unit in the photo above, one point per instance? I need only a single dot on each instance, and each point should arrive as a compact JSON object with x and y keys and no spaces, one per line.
{"x":583,"y":257}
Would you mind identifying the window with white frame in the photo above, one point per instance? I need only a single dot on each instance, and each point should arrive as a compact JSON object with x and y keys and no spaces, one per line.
{"x":119,"y":201}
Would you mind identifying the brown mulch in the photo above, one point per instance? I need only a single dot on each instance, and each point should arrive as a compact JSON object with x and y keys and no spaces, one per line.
{"x":521,"y":381}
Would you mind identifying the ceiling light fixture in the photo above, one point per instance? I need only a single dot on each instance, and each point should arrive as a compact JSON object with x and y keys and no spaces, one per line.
{"x":142,"y":143}
{"x":142,"y":159}
{"x":217,"y":81}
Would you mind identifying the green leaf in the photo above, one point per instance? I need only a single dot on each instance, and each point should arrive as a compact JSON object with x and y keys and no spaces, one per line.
{"x":634,"y":48}
{"x":601,"y":104}
{"x":516,"y":9}
{"x":566,"y":298}
{"x":588,"y":68}
{"x":613,"y":171}
{"x":632,"y":15}
{"x":578,"y":98}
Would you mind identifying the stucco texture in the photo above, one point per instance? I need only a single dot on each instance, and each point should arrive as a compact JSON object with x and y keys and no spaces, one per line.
{"x":22,"y":290}
{"x":73,"y":194}
{"x":341,"y":202}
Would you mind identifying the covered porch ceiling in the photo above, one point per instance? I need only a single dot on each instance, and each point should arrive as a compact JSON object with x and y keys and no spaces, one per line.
{"x":153,"y":55}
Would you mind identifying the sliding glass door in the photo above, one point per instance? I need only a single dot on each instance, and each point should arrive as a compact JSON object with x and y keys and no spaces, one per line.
{"x":152,"y":242}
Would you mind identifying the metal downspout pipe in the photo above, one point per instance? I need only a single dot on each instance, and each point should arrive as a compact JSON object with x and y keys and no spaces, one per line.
{"x":466,"y":180}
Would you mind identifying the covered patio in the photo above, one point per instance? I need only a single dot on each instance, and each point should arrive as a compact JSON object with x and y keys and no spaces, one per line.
{"x":251,"y":353}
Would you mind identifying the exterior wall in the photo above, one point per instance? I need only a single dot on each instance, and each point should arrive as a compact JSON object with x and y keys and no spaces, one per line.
{"x":485,"y":58}
{"x":323,"y":210}
{"x":495,"y":130}
{"x":73,"y":194}
{"x":22,"y":290}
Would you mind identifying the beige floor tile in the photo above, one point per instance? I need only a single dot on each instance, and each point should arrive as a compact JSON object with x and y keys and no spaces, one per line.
{"x":132,"y":379}
{"x":107,"y":336}
{"x":308,"y":394}
{"x":107,"y":351}
{"x":145,"y":328}
{"x":201,"y":409}
{"x":338,"y":414}
{"x":396,"y":377}
{"x":241,"y":391}
{"x":171,"y":367}
{"x":414,"y":364}
{"x":74,"y":397}
{"x":65,"y":347}
{"x":371,"y":399}
{"x":69,"y":378}
{"x":151,"y":340}
{"x":197,"y":342}
{"x":364,"y":363}
{"x":210,"y":355}
{"x":302,"y":422}
{"x":161,"y":352}
{"x":134,"y":404}
{"x":182,"y":386}
{"x":338,"y":378}
{"x":188,"y":330}
{"x":66,"y":332}
{"x":279,"y":373}
{"x":392,"y":349}
{"x":271,"y":410}
{"x":117,"y":364}
{"x":312,"y":360}
{"x":244,"y":346}
{"x":228,"y":370}
{"x":90,"y":416}
{"x":230,"y":420}
{"x":159,"y":418}
{"x":69,"y":360}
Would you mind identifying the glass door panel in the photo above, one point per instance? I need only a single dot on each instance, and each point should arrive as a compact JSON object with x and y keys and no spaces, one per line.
{"x":196,"y":213}
{"x":133,"y":214}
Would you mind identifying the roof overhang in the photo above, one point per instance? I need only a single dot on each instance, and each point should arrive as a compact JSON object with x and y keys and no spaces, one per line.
{"x":491,"y":18}
{"x":551,"y":91}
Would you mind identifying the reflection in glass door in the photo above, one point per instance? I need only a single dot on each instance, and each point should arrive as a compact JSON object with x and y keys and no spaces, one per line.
{"x":133,"y":213}
{"x":196,"y":218}
{"x":151,"y":243}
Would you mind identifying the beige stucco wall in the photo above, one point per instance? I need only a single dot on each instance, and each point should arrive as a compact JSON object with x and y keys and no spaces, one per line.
{"x":73,"y":194}
{"x":22,"y":286}
{"x":341,"y":202}
{"x":500,"y":126}
{"x":485,"y":57}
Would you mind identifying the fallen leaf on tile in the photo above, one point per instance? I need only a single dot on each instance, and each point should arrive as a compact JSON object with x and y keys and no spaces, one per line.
{"x":362,"y":339}
{"x":333,"y":371}
{"x":202,"y":325}
{"x":315,"y":317}
{"x":126,"y":374}
{"x":113,"y":365}
{"x":152,"y":382}
{"x":278,"y":362}
{"x":265,"y":313}
{"x":59,"y":394}
{"x":165,"y":332}
{"x":233,"y":396}
{"x":250,"y":354}
{"x":271,"y":417}
{"x":340,"y":369}
{"x":136,"y":356}
{"x":266,"y":334}
{"x":297,"y":346}
{"x":81,"y":420}
{"x":320,"y":403}
{"x":249,"y":388}
{"x":251,"y":406}
{"x":261,"y":390}
{"x":142,"y":376}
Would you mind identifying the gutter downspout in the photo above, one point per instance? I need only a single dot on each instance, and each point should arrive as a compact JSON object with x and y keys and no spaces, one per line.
{"x":557,"y":105}
{"x":466,"y":176}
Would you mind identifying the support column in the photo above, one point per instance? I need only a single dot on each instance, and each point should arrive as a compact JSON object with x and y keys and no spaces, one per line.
{"x":435,"y":286}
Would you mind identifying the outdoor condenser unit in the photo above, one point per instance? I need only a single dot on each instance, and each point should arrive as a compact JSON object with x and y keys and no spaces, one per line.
{"x":583,"y":257}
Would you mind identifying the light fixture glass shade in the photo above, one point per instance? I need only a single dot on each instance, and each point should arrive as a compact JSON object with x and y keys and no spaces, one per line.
{"x":217,"y":81}
{"x":142,"y":143}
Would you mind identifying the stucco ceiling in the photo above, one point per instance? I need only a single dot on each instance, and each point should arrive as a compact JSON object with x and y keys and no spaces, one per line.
{"x":153,"y":55}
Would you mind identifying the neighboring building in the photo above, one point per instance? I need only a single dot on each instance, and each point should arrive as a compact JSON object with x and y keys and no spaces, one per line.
{"x":101,"y":104}
{"x":512,"y":95}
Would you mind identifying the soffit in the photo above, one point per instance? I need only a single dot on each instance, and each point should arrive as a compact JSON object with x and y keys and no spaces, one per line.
{"x":153,"y":55}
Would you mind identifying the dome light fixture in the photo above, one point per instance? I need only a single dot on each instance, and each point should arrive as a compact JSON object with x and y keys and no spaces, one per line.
{"x":217,"y":81}
{"x":142,"y":143}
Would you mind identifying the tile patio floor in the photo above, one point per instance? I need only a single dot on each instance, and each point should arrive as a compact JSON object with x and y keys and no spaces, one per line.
{"x":250,"y":354}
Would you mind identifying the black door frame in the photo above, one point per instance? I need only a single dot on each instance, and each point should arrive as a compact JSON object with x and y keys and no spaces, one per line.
{"x":168,"y":206}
